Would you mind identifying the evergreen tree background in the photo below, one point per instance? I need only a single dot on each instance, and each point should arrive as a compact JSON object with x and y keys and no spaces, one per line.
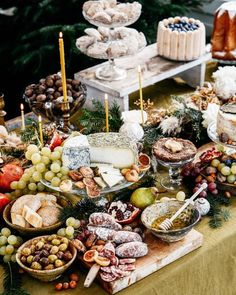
{"x":29,"y":39}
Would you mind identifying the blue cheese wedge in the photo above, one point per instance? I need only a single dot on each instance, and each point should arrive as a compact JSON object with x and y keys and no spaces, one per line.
{"x":112,"y":148}
{"x":76,"y":152}
{"x":112,"y":179}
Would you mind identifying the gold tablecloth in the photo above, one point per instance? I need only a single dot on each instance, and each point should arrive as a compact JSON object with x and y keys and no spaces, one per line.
{"x":209,"y":270}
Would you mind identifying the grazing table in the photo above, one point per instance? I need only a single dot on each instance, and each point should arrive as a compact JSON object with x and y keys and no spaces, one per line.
{"x":209,"y":270}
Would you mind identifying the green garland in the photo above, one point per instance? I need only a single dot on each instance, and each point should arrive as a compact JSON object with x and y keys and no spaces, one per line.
{"x":93,"y":121}
{"x":12,"y":282}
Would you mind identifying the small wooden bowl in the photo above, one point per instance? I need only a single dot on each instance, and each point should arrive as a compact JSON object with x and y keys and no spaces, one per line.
{"x":45,"y":275}
{"x":30,"y":231}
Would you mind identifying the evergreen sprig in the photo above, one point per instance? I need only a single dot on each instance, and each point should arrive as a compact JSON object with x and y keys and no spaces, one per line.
{"x":94,"y":121}
{"x":12,"y":282}
{"x":82,"y":210}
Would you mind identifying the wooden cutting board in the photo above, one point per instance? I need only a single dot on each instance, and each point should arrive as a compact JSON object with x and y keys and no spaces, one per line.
{"x":160,"y":254}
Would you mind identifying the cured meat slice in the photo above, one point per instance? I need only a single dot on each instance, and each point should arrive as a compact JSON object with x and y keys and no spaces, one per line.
{"x":127,"y":260}
{"x":121,"y":237}
{"x":127,"y":267}
{"x":107,"y":277}
{"x":106,"y":269}
{"x":108,"y":250}
{"x":132,"y":250}
{"x":104,"y":220}
{"x":102,"y":233}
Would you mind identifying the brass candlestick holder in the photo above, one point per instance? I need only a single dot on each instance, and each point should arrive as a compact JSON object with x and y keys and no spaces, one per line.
{"x":65,"y":107}
{"x":2,"y":112}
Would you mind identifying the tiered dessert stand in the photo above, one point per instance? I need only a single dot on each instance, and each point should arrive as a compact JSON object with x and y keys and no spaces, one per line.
{"x":110,"y":71}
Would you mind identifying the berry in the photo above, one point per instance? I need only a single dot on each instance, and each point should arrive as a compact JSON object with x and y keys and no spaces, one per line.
{"x":225,"y":171}
{"x":211,"y":186}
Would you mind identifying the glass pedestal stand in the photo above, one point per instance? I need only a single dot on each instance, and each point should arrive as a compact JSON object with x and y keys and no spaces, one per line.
{"x":111,"y":72}
{"x":174,"y":180}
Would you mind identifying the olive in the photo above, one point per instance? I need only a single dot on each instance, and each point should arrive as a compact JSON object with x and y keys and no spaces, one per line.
{"x":54,"y":250}
{"x":56,"y":242}
{"x":49,"y":267}
{"x":52,"y":258}
{"x":38,"y":253}
{"x":47,"y":247}
{"x":44,"y":261}
{"x":36,"y":265}
{"x":63,"y":247}
{"x":26,"y":251}
{"x":59,"y":263}
{"x":32,"y":248}
{"x":64,"y":241}
{"x":50,"y":238}
{"x":36,"y":258}
{"x":30,"y":259}
{"x":60,"y":255}
{"x":67,"y":256}
{"x":39,"y":245}
{"x":44,"y":253}
{"x":23,"y":259}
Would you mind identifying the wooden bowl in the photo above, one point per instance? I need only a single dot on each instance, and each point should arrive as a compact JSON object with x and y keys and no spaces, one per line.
{"x":45,"y":275}
{"x":32,"y":231}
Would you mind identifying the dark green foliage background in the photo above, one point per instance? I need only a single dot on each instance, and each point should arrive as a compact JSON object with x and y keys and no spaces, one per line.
{"x":29,"y":39}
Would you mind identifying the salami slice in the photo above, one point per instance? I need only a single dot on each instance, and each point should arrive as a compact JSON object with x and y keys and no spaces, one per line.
{"x":102,"y":233}
{"x":127,"y":267}
{"x":104,"y":220}
{"x":107,"y":277}
{"x":117,"y":271}
{"x":106,"y":269}
{"x":127,"y":260}
{"x":114,"y":260}
{"x":108,"y":250}
{"x":132,"y":250}
{"x":121,"y":237}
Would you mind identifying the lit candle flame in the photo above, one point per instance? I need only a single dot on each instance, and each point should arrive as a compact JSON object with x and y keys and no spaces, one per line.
{"x":139,"y":68}
{"x":40,"y":119}
{"x":60,"y":35}
{"x":106,"y":96}
{"x":22,"y":107}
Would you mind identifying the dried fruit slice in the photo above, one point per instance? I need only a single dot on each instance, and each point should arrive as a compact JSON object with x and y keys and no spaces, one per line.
{"x":89,"y":182}
{"x":144,"y":160}
{"x":75,"y":175}
{"x":66,"y":185}
{"x":93,"y":192}
{"x":103,"y":261}
{"x":90,"y":255}
{"x":86,"y":172}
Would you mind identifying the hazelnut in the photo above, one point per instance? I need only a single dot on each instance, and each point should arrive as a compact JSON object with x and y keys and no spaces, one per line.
{"x":49,"y":82}
{"x":58,"y":83}
{"x":41,"y":97}
{"x":69,"y":93}
{"x":60,"y":89}
{"x":224,"y":137}
{"x":41,"y":89}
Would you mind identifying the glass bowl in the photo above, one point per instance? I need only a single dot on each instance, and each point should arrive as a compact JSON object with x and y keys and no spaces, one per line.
{"x":53,"y":109}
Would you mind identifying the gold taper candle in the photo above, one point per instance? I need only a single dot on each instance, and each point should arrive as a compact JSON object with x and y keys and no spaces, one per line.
{"x":40,"y":130}
{"x":107,"y":112}
{"x":140,"y":92}
{"x":63,"y":70}
{"x":22,"y":117}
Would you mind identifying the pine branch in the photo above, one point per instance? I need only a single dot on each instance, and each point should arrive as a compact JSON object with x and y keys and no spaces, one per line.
{"x":12,"y":282}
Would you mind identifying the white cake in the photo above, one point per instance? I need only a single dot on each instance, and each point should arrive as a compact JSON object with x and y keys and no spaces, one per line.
{"x":181,"y":38}
{"x":226,"y":122}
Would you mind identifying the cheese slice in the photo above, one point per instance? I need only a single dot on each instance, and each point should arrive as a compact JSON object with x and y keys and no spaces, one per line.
{"x":112,"y":148}
{"x":112,"y":179}
{"x":100,"y":182}
{"x":32,"y":217}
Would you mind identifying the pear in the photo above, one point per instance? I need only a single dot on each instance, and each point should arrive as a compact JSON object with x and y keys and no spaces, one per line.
{"x":143,"y":197}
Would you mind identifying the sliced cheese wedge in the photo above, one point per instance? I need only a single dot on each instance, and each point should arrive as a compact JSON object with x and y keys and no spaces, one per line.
{"x":112,"y":179}
{"x":100,"y":182}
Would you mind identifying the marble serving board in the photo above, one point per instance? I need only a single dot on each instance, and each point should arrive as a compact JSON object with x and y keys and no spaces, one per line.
{"x":160,"y":254}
